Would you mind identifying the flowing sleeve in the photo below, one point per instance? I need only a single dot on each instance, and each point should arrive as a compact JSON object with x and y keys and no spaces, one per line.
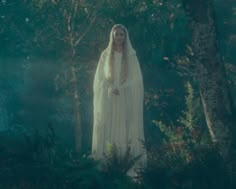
{"x":134,"y":93}
{"x":99,"y":80}
{"x":100,"y":104}
{"x":100,"y":89}
{"x":134,"y":80}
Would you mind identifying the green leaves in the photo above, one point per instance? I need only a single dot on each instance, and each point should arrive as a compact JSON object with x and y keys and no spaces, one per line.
{"x":116,"y":164}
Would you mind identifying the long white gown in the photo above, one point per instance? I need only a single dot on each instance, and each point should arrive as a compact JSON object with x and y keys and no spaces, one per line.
{"x":118,"y":119}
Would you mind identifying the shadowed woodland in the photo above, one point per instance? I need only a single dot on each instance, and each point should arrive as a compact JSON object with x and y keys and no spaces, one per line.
{"x":48,"y":56}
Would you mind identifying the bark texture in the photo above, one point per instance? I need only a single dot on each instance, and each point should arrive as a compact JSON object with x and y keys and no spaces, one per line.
{"x":211,"y":75}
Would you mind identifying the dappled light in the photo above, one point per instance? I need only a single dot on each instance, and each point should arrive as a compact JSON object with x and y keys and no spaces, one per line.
{"x":148,"y":104}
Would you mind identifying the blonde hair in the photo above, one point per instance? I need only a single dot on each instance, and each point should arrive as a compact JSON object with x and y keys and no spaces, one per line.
{"x":124,"y":62}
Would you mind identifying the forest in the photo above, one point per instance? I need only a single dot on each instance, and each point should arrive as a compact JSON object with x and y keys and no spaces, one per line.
{"x":49,"y":54}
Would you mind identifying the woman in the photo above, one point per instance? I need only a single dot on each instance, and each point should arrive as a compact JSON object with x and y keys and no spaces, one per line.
{"x":118,"y":99}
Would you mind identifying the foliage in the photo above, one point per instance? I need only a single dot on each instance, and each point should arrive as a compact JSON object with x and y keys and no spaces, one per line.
{"x":40,"y":163}
{"x":116,"y":168}
{"x":35,"y":30}
{"x":185,"y":159}
{"x":117,"y":164}
{"x":180,"y":141}
{"x":206,"y":170}
{"x":49,"y":30}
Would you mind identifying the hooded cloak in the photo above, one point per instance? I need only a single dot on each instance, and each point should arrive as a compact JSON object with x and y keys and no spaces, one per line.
{"x":118,"y":119}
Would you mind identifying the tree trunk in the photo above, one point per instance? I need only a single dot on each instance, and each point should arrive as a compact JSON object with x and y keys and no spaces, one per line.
{"x":75,"y":95}
{"x":73,"y":42}
{"x":210,"y":72}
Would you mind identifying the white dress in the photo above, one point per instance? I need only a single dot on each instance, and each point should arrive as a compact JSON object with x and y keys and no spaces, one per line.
{"x":118,"y":119}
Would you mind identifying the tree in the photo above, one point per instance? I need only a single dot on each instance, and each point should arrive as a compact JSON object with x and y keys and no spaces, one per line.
{"x":75,"y":17}
{"x":210,"y":72}
{"x":59,"y":28}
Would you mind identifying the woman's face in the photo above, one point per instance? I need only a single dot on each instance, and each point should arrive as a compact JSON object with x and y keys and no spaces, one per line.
{"x":119,"y":36}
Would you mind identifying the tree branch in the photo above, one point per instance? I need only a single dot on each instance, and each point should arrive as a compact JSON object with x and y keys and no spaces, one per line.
{"x":86,"y":31}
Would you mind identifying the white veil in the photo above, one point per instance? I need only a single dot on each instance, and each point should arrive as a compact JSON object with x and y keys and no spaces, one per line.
{"x":129,"y":47}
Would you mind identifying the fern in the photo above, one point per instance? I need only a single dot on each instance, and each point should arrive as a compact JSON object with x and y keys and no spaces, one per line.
{"x":116,"y":164}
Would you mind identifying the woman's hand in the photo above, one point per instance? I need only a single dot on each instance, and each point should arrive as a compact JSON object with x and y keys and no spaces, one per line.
{"x":116,"y":92}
